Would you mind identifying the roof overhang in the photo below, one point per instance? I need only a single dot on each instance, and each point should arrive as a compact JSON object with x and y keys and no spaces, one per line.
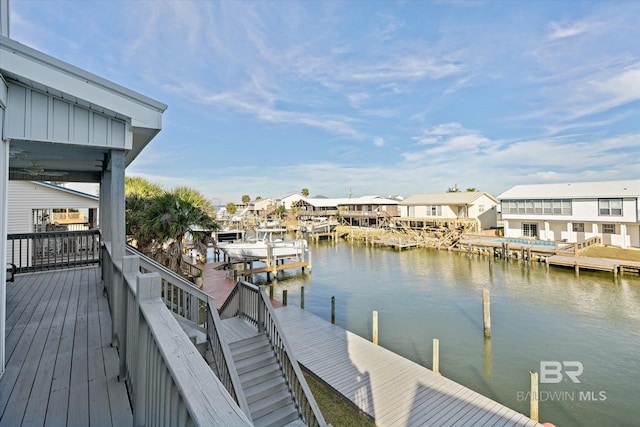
{"x":49,"y":75}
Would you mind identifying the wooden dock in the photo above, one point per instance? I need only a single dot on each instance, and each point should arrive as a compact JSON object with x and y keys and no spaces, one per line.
{"x":596,"y":264}
{"x":391,"y":389}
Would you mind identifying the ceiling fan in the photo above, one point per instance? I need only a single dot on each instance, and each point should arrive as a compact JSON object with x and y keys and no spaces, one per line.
{"x":36,"y":170}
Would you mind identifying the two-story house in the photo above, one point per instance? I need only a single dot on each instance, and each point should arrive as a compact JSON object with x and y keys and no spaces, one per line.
{"x":473,"y":209}
{"x":574,"y":212}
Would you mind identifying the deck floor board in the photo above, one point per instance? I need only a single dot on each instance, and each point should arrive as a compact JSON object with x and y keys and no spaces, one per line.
{"x":390,"y":388}
{"x":60,"y":367}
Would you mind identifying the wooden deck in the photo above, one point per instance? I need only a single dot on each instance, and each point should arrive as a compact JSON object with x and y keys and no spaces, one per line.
{"x":61,"y":369}
{"x":598,"y":264}
{"x":390,"y":388}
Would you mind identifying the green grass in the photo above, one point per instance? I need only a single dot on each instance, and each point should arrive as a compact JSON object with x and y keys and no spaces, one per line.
{"x":612,"y":253}
{"x":334,"y":407}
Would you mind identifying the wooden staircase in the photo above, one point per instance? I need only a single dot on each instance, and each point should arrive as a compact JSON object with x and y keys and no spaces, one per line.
{"x":263,"y":382}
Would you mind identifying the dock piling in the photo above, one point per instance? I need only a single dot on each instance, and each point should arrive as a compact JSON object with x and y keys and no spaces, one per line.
{"x":533,"y":407}
{"x":333,"y":310}
{"x":486,"y":311}
{"x":302,"y":297}
{"x":284,"y":297}
{"x":375,"y":327}
{"x":436,"y":356}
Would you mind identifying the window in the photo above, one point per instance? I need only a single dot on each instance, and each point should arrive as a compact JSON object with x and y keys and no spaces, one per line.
{"x":480,"y":208}
{"x":530,"y":230}
{"x":537,"y":207}
{"x":434,"y":210}
{"x":608,"y":229}
{"x":578,"y":227}
{"x":610,"y":207}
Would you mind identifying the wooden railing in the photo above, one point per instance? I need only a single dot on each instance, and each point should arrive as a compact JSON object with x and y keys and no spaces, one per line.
{"x":181,"y":296}
{"x":579,"y":247}
{"x":252,"y":303}
{"x":222,"y":361}
{"x":168,"y":380}
{"x":53,"y":249}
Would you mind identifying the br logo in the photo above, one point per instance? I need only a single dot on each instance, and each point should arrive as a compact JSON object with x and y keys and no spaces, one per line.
{"x":553,"y":372}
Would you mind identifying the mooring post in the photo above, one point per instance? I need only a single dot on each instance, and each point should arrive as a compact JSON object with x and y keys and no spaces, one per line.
{"x":333,"y":310}
{"x":533,"y":411}
{"x":615,"y":270}
{"x":302,"y":297}
{"x":284,"y":297}
{"x":486,"y":311}
{"x":375,"y":327}
{"x":577,"y":267}
{"x":271,"y":290}
{"x":309,"y":261}
{"x":436,"y":356}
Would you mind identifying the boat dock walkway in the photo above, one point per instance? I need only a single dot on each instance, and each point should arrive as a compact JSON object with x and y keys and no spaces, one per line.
{"x":393,"y":390}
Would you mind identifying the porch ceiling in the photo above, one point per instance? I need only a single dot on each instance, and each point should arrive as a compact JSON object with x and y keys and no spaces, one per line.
{"x":38,"y":161}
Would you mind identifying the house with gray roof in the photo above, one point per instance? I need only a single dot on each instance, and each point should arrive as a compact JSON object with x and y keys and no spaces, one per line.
{"x":473,"y":210}
{"x":574,"y":212}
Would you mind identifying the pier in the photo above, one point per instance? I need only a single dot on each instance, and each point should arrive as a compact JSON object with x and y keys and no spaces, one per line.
{"x":391,"y":389}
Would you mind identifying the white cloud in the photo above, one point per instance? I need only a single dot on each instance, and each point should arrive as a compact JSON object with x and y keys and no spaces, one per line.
{"x":560,"y":32}
{"x":378,"y":142}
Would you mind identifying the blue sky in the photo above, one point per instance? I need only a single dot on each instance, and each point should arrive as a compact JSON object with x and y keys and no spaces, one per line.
{"x":368,"y":97}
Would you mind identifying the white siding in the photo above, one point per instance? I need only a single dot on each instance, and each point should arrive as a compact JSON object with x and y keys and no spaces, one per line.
{"x":24,"y":196}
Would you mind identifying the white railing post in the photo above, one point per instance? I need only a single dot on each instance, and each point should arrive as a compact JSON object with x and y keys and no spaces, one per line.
{"x":147,"y":287}
{"x":130,"y":264}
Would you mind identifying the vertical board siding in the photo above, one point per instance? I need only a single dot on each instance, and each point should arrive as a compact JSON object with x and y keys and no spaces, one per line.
{"x":38,"y":116}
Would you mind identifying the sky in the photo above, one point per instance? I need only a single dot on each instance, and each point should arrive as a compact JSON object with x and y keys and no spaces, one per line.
{"x":363,"y":97}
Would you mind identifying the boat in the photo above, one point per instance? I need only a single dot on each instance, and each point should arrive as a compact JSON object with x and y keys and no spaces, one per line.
{"x":268,"y":242}
{"x":319,"y":225}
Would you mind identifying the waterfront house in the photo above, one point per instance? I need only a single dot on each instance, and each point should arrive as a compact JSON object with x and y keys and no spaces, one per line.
{"x":365,"y":211}
{"x":574,"y":212}
{"x":368,"y":211}
{"x":472,"y":210}
{"x":289,"y":200}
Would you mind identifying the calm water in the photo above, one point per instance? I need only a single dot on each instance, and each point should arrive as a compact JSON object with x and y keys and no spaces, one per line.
{"x":537,"y":315}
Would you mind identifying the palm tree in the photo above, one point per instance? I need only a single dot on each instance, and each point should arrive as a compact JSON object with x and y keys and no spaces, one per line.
{"x":246,"y":199}
{"x":231,"y":208}
{"x":305,"y":192}
{"x":471,"y":190}
{"x":139,"y":194}
{"x":168,"y":220}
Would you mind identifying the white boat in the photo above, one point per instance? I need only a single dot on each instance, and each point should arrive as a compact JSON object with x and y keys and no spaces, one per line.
{"x":319,"y":225}
{"x":267,"y":243}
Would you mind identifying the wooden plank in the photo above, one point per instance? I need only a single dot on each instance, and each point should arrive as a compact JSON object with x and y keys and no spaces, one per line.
{"x":79,"y":385}
{"x":39,"y":323}
{"x":59,"y":396}
{"x":99,"y":408}
{"x":394,"y":390}
{"x":39,"y":398}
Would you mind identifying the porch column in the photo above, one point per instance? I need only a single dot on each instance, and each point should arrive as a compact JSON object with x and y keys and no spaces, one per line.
{"x":115,"y":223}
{"x":623,"y":235}
{"x":570,"y":232}
{"x":546,"y":230}
{"x":4,"y":195}
{"x":505,"y":224}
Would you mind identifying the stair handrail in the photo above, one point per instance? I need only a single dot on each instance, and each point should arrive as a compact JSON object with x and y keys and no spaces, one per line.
{"x":225,"y":369}
{"x":306,"y":404}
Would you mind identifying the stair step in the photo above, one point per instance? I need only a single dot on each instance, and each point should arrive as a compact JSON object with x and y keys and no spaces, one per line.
{"x":281,"y":417}
{"x":265,"y":388}
{"x":247,"y":341}
{"x":270,"y":404}
{"x":256,"y":362}
{"x":250,"y":350}
{"x":259,"y":375}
